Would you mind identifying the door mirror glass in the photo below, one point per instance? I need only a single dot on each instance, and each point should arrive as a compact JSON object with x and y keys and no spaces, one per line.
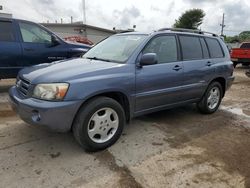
{"x":148,"y":59}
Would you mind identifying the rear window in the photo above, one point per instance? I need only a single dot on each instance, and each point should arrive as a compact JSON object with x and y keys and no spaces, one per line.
{"x":245,"y":45}
{"x":6,"y":32}
{"x":191,"y":47}
{"x":214,"y":48}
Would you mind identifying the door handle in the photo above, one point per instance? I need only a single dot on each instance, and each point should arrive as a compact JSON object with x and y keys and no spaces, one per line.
{"x":29,"y":49}
{"x":209,"y":63}
{"x":177,"y":68}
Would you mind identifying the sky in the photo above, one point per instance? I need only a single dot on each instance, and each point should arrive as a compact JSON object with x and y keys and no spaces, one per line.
{"x":147,"y":15}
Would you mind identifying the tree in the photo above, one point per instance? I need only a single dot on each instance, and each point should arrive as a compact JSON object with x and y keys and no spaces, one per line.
{"x":232,"y":39}
{"x":242,"y":37}
{"x":191,"y":19}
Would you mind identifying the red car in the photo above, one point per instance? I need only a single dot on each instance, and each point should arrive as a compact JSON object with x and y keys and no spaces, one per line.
{"x":241,"y":55}
{"x":79,"y":39}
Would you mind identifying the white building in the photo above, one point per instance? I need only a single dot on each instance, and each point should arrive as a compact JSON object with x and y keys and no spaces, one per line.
{"x":95,"y":34}
{"x":5,"y":15}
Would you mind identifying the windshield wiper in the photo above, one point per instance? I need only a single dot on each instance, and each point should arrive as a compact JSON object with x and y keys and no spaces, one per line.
{"x":97,"y":58}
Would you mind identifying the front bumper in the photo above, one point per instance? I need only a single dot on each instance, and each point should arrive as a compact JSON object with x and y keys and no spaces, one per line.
{"x":57,"y":116}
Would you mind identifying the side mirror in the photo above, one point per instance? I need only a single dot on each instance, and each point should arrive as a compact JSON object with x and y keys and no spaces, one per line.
{"x":148,"y":59}
{"x":54,"y":40}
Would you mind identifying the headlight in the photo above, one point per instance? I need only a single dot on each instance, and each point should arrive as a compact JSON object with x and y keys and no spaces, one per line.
{"x":54,"y":91}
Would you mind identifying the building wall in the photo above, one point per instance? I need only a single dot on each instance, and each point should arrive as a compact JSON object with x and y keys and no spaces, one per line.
{"x":5,"y":15}
{"x":92,"y":34}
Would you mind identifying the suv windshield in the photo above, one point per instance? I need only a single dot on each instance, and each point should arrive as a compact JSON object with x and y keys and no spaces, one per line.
{"x":116,"y":48}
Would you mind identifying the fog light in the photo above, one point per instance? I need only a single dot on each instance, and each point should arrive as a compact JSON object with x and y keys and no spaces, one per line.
{"x":36,"y":116}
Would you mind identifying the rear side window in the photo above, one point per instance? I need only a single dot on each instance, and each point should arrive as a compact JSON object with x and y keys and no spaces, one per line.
{"x":245,"y":45}
{"x":6,"y":32}
{"x":165,"y":48}
{"x":204,"y":48}
{"x":191,"y":47}
{"x":214,"y":48}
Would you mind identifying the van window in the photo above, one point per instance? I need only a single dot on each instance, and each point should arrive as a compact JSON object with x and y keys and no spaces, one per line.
{"x":214,"y":48}
{"x":33,"y":33}
{"x":204,"y":48}
{"x":165,"y":48}
{"x":6,"y":32}
{"x":191,"y":47}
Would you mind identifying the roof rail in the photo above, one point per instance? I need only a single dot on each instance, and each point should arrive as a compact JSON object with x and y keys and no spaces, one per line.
{"x":188,"y":30}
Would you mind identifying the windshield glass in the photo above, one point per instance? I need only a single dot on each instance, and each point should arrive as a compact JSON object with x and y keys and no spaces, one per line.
{"x":116,"y":48}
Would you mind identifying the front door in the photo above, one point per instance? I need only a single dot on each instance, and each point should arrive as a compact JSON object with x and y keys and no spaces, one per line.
{"x":10,"y":50}
{"x":38,"y":46}
{"x":160,"y":85}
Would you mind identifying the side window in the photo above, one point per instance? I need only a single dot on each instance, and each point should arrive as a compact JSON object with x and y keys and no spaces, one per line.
{"x":7,"y":33}
{"x":204,"y":48}
{"x":34,"y":34}
{"x":191,"y":47}
{"x":165,"y":48}
{"x":214,"y":48}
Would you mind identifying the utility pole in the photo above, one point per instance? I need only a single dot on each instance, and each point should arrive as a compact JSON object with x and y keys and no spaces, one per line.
{"x":84,"y":17}
{"x":222,"y":25}
{"x":84,"y":12}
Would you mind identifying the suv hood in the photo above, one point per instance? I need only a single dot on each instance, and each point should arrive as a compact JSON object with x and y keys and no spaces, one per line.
{"x":66,"y":70}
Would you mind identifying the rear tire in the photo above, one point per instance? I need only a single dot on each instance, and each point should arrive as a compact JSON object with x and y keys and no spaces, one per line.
{"x":235,"y":64}
{"x":99,"y":123}
{"x":211,"y":100}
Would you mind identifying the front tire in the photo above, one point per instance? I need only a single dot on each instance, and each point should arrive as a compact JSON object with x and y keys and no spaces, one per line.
{"x":99,"y":123}
{"x":211,"y":100}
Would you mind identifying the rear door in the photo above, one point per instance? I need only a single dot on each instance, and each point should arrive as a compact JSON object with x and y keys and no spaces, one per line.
{"x":159,"y":85}
{"x":198,"y":67}
{"x":37,"y":45}
{"x":10,"y":50}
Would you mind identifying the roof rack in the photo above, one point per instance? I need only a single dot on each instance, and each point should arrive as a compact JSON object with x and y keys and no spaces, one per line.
{"x":188,"y":30}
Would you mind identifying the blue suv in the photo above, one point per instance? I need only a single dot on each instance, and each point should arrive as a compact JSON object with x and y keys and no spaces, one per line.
{"x":124,"y":76}
{"x":24,"y":43}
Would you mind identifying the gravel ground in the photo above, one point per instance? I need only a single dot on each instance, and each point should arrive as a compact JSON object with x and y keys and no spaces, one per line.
{"x":172,"y":148}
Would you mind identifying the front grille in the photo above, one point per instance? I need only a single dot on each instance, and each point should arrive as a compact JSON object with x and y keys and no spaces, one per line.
{"x":23,"y":86}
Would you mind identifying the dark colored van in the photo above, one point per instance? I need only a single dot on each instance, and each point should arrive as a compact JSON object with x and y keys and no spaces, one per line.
{"x":24,"y":43}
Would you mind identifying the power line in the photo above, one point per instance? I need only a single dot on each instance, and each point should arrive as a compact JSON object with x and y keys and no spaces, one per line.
{"x":236,"y":30}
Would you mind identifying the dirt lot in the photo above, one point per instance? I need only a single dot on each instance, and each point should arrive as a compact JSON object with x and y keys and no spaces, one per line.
{"x":173,"y":148}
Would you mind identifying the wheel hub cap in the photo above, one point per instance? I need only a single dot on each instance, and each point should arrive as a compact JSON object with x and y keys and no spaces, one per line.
{"x":213,"y":98}
{"x":103,"y":125}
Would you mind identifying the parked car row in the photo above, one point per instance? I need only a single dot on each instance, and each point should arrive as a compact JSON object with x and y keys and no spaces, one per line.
{"x":124,"y":76}
{"x":24,"y":43}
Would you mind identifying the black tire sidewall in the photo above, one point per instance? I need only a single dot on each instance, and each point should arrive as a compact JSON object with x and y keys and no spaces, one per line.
{"x":84,"y":116}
